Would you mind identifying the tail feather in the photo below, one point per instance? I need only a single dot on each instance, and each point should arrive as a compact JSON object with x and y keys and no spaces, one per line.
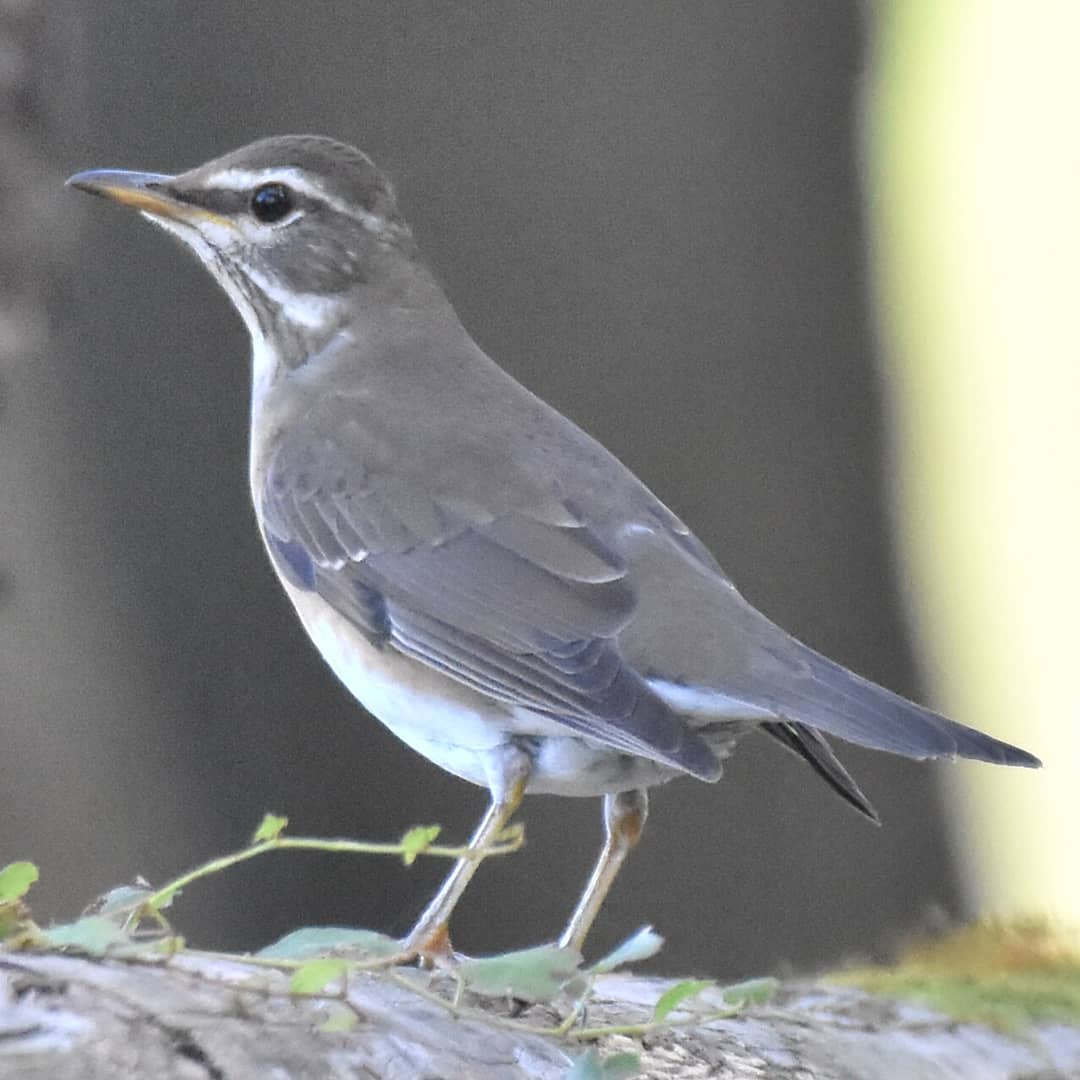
{"x":834,"y":700}
{"x":813,"y":748}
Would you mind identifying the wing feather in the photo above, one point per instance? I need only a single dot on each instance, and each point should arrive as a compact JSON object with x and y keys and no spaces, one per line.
{"x":517,"y":597}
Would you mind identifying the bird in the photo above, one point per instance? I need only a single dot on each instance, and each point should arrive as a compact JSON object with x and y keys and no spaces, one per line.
{"x":485,"y":578}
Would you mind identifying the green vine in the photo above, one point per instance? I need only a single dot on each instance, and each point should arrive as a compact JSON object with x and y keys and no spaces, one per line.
{"x":129,"y":924}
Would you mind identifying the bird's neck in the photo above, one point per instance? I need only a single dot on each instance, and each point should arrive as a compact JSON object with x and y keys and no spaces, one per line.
{"x":395,"y":290}
{"x":400,"y":312}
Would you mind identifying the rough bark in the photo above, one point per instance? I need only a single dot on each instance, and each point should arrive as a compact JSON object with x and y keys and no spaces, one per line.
{"x":201,"y":1018}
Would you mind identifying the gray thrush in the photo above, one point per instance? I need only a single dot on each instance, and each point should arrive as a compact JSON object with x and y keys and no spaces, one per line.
{"x":485,"y":578}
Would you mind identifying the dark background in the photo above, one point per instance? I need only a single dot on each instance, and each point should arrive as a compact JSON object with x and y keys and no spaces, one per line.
{"x":650,"y":214}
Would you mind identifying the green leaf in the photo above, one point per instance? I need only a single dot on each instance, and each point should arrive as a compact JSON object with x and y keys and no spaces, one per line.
{"x":15,"y":881}
{"x":590,"y":1066}
{"x":92,"y":934}
{"x":674,"y":996}
{"x":340,"y":1020}
{"x":123,"y":899}
{"x":417,"y":840}
{"x":531,"y":974}
{"x":620,"y":1066}
{"x":586,"y":1067}
{"x":270,"y":828}
{"x":315,"y":940}
{"x":642,"y":945}
{"x":315,"y":976}
{"x":750,"y":992}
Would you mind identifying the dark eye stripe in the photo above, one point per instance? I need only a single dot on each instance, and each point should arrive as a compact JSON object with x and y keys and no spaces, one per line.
{"x":217,"y":200}
{"x":228,"y":202}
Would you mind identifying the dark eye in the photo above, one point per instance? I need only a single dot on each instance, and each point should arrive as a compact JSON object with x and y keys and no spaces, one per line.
{"x":271,"y":203}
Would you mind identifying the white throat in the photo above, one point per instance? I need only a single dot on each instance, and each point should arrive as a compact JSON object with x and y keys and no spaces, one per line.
{"x":265,"y":364}
{"x":306,"y":312}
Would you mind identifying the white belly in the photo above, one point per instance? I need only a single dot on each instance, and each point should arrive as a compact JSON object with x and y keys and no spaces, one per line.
{"x":456,"y":727}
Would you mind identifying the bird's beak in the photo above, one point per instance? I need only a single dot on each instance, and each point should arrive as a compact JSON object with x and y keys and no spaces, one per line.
{"x":149,"y":193}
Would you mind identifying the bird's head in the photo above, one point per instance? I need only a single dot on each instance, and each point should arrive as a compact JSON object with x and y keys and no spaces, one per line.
{"x":292,"y":227}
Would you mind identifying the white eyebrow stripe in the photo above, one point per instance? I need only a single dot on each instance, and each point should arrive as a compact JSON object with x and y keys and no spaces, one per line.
{"x":244,"y":179}
{"x":247,"y":180}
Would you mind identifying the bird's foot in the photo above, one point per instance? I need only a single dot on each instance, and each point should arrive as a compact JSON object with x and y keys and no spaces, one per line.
{"x":432,"y":949}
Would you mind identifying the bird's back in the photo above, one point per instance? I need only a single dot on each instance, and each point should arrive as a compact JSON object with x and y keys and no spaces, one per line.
{"x":681,"y":625}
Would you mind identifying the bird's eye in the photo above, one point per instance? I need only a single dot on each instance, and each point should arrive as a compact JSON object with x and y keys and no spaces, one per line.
{"x":271,"y":202}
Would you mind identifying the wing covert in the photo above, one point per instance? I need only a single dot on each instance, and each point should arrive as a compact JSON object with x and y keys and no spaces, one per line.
{"x":515,"y":595}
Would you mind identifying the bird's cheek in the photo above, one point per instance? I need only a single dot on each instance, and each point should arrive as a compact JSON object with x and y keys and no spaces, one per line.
{"x":219,"y":235}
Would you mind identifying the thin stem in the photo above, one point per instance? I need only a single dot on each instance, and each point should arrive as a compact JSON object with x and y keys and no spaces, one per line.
{"x":274,"y":963}
{"x":508,"y":842}
{"x":424,"y":992}
{"x":637,"y":1030}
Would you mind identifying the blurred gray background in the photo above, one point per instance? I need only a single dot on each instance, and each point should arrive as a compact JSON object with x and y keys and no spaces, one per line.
{"x":650,"y":214}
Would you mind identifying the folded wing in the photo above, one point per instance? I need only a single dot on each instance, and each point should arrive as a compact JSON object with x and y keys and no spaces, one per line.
{"x":523,"y":602}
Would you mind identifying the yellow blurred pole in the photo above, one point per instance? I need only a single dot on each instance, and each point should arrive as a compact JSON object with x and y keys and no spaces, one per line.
{"x":973,"y":139}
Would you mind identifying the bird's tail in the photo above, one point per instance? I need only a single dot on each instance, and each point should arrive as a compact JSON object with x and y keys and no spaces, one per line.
{"x":813,"y":749}
{"x":826,"y":696}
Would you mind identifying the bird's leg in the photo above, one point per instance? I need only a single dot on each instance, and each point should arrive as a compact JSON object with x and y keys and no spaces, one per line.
{"x":624,"y":820}
{"x":508,"y":775}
